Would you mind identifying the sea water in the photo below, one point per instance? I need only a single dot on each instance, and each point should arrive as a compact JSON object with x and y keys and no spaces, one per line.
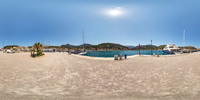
{"x":128,"y":53}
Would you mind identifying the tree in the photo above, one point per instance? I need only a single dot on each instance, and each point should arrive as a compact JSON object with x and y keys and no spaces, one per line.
{"x":38,"y":46}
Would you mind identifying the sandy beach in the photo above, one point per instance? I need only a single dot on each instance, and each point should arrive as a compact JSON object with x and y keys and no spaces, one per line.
{"x":59,"y":76}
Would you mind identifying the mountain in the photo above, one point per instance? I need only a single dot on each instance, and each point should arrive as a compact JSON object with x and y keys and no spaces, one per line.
{"x":146,"y":47}
{"x":161,"y":47}
{"x":111,"y":46}
{"x":68,"y":46}
{"x":131,"y":47}
{"x":10,"y":46}
{"x":114,"y":46}
{"x":189,"y":48}
{"x":87,"y":46}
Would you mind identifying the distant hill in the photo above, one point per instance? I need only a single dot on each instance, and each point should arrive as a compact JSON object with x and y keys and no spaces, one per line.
{"x":10,"y":46}
{"x":68,"y":46}
{"x":161,"y":47}
{"x":189,"y":47}
{"x":87,"y":46}
{"x":146,"y":47}
{"x":108,"y":46}
{"x":130,"y":47}
{"x":113,"y":46}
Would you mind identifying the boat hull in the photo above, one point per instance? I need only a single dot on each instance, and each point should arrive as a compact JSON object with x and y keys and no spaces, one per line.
{"x":83,"y":53}
{"x":168,"y":52}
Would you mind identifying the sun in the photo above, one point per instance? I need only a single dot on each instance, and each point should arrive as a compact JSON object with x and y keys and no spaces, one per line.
{"x":115,"y":12}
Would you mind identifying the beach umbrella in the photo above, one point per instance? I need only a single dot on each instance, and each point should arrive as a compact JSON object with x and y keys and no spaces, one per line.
{"x":139,"y":49}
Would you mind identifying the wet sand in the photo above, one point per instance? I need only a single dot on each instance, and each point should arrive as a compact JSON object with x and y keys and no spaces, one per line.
{"x":59,"y":76}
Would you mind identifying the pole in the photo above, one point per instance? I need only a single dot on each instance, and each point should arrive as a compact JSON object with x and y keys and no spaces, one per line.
{"x":83,"y":42}
{"x":139,"y":49}
{"x":151,"y":47}
{"x":183,"y":39}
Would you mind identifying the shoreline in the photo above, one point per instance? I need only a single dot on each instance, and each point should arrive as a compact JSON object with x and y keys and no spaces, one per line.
{"x":107,"y":58}
{"x":132,"y":56}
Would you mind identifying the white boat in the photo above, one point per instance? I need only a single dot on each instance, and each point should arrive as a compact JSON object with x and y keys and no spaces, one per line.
{"x":185,"y":51}
{"x":83,"y":52}
{"x":172,"y":49}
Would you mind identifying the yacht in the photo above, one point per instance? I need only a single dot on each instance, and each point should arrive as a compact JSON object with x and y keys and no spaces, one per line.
{"x":171,"y":49}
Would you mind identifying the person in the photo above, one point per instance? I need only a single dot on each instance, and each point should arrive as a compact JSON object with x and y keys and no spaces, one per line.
{"x":125,"y":56}
{"x":120,"y":56}
{"x":70,"y":52}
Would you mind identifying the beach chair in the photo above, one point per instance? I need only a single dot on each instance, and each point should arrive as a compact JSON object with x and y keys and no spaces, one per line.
{"x":115,"y":57}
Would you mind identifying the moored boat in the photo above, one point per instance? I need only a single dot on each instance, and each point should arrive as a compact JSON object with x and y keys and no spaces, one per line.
{"x":84,"y":51}
{"x":172,"y":49}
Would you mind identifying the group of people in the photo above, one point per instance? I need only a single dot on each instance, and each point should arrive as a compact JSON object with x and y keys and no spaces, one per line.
{"x":74,"y":51}
{"x":120,"y":57}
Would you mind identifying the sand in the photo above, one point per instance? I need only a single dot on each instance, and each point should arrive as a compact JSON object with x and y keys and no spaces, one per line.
{"x":59,"y":76}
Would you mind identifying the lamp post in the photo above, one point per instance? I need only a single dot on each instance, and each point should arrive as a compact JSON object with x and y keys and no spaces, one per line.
{"x":151,"y":47}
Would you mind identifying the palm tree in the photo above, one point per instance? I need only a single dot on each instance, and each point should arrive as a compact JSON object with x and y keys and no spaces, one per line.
{"x":38,"y":46}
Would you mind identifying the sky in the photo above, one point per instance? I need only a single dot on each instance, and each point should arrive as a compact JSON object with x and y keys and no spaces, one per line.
{"x":127,"y":22}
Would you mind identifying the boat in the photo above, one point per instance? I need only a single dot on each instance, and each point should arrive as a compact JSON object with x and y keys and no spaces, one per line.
{"x":185,"y":51}
{"x":172,"y":49}
{"x":83,"y":52}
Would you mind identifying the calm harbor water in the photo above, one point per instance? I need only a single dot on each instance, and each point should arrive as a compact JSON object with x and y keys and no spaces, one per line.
{"x":129,"y":53}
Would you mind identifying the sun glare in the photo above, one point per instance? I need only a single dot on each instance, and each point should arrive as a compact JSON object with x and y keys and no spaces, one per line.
{"x":115,"y":12}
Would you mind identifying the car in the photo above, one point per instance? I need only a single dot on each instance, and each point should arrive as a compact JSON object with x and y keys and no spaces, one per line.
{"x":10,"y":51}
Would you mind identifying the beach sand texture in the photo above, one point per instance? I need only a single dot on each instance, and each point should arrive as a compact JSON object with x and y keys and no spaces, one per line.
{"x":59,"y":76}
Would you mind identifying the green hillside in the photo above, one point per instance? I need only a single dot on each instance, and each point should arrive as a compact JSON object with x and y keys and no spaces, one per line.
{"x":113,"y":46}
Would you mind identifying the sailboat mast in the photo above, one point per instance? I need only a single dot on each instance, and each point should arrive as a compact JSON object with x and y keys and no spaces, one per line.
{"x":83,"y":41}
{"x":184,"y":37}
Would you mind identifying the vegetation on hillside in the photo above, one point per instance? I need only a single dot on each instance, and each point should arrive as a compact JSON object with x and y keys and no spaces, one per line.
{"x":161,"y":47}
{"x":189,"y":47}
{"x":103,"y":46}
{"x":111,"y":46}
{"x":68,"y":46}
{"x":114,"y":46}
{"x":10,"y":46}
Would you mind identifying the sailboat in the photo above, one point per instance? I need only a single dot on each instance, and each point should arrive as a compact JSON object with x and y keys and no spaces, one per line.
{"x":84,"y":51}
